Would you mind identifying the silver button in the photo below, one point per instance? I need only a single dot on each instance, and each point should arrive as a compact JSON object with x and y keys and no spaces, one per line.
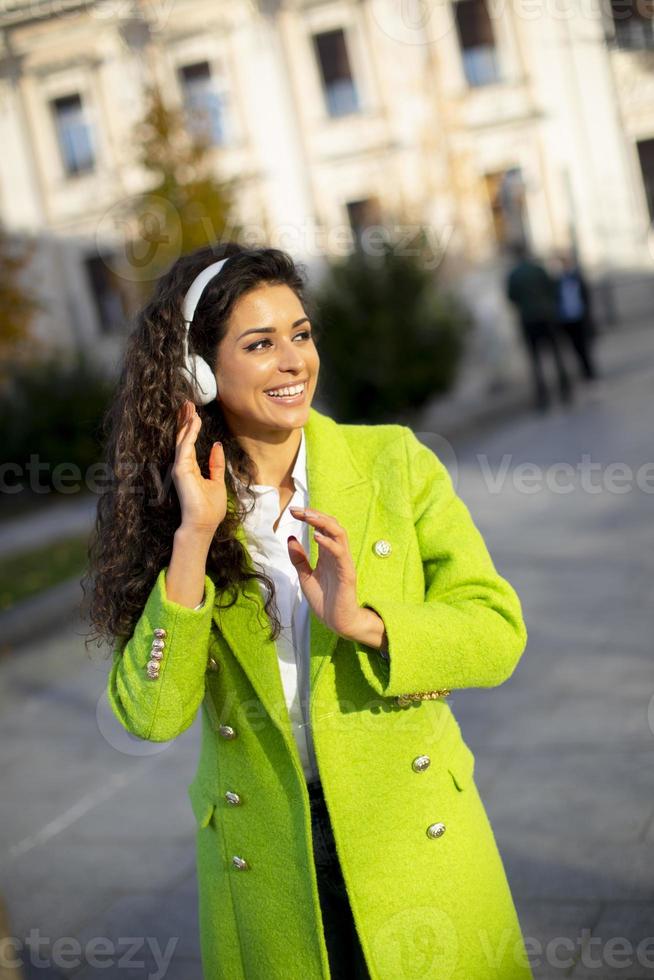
{"x":240,"y":863}
{"x":158,"y":644}
{"x":153,"y":669}
{"x":382,"y":548}
{"x":156,"y":654}
{"x":160,"y":633}
{"x":232,"y":798}
{"x":227,"y":731}
{"x":213,"y":664}
{"x":436,"y":830}
{"x":420,"y":763}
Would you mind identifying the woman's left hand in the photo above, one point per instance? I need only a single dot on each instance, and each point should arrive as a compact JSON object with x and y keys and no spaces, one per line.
{"x":330,"y":587}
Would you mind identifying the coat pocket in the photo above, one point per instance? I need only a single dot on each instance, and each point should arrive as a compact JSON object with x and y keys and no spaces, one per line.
{"x":461,"y":765}
{"x":201,"y":804}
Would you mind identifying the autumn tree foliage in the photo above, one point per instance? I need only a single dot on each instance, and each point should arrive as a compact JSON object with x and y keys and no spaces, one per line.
{"x":187,"y":204}
{"x":18,"y":305}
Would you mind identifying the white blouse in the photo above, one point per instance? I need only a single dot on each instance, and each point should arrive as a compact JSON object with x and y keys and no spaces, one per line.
{"x":269,"y":550}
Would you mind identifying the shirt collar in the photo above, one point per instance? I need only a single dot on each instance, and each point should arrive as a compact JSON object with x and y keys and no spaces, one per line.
{"x":299,"y":473}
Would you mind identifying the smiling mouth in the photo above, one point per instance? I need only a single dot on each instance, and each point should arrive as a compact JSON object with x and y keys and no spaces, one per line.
{"x":289,"y":393}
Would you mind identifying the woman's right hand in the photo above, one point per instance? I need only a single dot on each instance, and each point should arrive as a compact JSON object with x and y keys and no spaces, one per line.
{"x":203,"y":502}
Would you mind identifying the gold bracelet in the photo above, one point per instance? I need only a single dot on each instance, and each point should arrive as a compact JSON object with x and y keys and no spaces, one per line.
{"x":404,"y":699}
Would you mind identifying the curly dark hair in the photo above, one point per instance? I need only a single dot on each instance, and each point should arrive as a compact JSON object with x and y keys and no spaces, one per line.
{"x":139,"y":511}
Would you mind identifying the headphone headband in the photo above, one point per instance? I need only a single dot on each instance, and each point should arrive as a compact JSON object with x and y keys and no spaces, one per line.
{"x":195,"y":290}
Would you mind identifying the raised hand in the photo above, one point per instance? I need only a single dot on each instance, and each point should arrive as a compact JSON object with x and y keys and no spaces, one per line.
{"x":203,"y":502}
{"x":331,"y":587}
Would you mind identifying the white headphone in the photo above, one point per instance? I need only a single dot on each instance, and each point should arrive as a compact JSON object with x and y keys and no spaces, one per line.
{"x":195,"y":369}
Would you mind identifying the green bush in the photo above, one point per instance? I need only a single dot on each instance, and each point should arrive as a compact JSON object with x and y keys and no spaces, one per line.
{"x":390,"y":337}
{"x":28,"y":573}
{"x":52,"y":409}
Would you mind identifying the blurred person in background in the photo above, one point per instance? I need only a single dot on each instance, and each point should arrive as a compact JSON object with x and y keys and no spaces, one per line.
{"x":331,"y":767}
{"x":533,"y":292}
{"x":575,"y":314}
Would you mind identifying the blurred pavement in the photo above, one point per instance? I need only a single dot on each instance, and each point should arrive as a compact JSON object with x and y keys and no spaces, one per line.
{"x":62,"y":519}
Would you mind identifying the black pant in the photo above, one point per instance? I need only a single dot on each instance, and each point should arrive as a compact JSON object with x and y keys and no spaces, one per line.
{"x":538,"y":335}
{"x":346,"y":959}
{"x":579,"y":334}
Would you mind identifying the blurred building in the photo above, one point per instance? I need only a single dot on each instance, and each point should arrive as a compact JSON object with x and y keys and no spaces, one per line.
{"x":487,"y":121}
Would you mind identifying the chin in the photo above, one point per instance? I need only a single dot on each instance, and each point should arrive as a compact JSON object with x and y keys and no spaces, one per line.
{"x":296,"y":417}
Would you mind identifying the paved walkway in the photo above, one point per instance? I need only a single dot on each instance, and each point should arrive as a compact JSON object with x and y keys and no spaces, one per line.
{"x":56,"y":521}
{"x":96,"y":838}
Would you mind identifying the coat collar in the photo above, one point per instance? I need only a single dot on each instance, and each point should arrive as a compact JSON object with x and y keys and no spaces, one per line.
{"x":337,"y":487}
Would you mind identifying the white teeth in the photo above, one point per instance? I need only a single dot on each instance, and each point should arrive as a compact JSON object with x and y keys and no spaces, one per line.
{"x":286,"y":392}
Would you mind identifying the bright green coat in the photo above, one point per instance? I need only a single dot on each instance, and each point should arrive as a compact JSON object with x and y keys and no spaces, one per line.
{"x":424,"y":907}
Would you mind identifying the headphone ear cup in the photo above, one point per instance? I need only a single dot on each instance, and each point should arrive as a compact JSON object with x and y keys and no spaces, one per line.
{"x":202,"y":379}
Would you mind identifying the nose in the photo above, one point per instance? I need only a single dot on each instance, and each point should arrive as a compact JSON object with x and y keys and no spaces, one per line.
{"x":290,"y":357}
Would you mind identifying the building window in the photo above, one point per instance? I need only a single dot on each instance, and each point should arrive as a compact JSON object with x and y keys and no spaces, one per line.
{"x":362,"y":214}
{"x":74,"y":135}
{"x":506,"y":195}
{"x":107,"y":296}
{"x":633,"y":21}
{"x":480,"y":64}
{"x":338,"y":84}
{"x":205,"y":104}
{"x":646,"y":157}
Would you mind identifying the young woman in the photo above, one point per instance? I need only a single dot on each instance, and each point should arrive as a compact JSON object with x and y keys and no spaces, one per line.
{"x":318,"y":589}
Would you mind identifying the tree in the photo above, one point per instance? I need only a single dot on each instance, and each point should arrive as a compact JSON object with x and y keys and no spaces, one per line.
{"x":17,"y":305}
{"x":187,"y":206}
{"x":390,"y":336}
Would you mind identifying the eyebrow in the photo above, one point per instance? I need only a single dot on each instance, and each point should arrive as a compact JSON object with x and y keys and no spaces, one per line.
{"x":303,"y":319}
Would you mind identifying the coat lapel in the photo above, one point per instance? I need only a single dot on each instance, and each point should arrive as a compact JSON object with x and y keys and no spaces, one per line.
{"x":336,"y":487}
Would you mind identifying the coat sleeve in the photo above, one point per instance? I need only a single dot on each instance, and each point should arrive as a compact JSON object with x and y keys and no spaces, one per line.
{"x":469,"y":630}
{"x":162,"y":708}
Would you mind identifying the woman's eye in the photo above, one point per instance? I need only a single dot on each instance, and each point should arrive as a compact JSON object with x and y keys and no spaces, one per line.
{"x":264,"y":340}
{"x":255,"y":345}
